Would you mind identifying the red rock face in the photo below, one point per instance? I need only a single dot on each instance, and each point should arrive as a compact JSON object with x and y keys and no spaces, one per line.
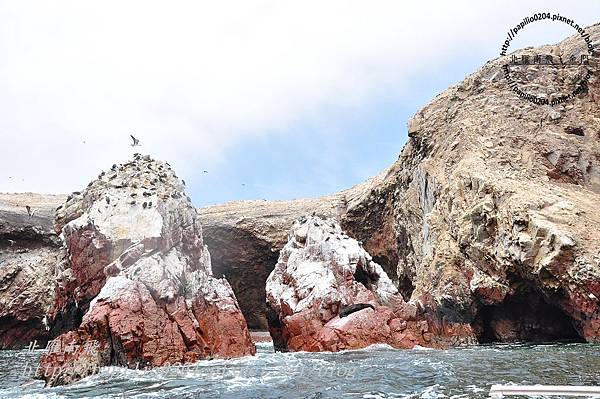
{"x":321,"y":272}
{"x":358,"y":330}
{"x":137,"y":269}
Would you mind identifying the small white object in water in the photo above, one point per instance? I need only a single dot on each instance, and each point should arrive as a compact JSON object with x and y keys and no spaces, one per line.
{"x":498,"y":391}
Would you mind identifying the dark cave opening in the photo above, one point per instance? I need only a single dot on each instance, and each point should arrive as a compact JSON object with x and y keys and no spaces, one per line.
{"x":387,"y":266}
{"x":245,"y":262}
{"x":525,"y":316}
{"x":364,"y":277}
{"x":405,"y":287}
{"x":403,"y":283}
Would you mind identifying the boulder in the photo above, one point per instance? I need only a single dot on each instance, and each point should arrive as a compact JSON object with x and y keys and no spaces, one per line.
{"x":327,"y":294}
{"x":135,"y":285}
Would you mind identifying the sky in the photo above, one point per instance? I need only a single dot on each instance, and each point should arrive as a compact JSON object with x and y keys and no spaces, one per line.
{"x":274,"y":99}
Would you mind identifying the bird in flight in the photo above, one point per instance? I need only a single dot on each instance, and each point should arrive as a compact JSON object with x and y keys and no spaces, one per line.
{"x":136,"y":142}
{"x":29,"y":211}
{"x":205,"y":171}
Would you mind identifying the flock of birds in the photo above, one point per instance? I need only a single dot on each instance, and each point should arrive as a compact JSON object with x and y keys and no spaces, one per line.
{"x":135,"y":142}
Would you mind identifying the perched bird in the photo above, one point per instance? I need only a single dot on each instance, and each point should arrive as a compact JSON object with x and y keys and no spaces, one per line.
{"x":183,"y":181}
{"x":12,"y":242}
{"x":29,"y":211}
{"x":136,"y":142}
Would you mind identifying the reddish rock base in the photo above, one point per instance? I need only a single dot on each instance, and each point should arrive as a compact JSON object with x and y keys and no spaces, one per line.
{"x":132,"y":330}
{"x":357,"y":330}
{"x":321,"y":275}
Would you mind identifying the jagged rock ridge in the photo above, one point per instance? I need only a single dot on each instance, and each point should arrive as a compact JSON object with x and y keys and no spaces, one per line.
{"x":493,"y":205}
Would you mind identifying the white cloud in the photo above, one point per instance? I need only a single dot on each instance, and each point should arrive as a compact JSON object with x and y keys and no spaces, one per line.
{"x":193,"y":78}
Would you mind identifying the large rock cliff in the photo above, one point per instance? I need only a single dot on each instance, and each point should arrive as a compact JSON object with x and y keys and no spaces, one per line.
{"x":135,"y":285}
{"x":491,"y":212}
{"x":29,"y":250}
{"x":489,"y":218}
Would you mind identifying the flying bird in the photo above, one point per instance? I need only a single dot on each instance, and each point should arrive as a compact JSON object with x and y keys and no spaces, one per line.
{"x":29,"y":211}
{"x":136,"y":142}
{"x":205,"y":171}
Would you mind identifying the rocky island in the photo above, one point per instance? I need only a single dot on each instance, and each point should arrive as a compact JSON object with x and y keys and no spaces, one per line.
{"x":134,"y":287}
{"x":486,"y":229}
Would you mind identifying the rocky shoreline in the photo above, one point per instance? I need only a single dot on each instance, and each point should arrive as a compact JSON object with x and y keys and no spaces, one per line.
{"x":486,"y":229}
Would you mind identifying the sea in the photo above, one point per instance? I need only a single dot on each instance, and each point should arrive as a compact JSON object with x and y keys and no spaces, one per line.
{"x":375,"y":372}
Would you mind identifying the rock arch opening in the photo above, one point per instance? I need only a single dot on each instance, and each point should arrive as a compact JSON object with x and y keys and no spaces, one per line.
{"x":245,"y":261}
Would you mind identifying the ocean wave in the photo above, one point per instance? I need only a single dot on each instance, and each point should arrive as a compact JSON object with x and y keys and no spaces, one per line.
{"x":377,"y":371}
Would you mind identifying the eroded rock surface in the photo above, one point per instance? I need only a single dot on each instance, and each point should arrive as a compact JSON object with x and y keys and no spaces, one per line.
{"x":245,"y":238}
{"x":493,"y":203}
{"x":320,"y":272}
{"x":135,"y":285}
{"x":29,"y":251}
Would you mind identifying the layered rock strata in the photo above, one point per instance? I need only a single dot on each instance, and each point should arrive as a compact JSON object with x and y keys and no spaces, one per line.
{"x":29,"y":251}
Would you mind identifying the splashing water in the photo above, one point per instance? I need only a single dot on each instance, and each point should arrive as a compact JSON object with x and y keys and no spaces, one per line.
{"x":376,"y":372}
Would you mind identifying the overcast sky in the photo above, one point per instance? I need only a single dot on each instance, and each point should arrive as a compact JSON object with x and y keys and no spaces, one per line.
{"x":275,"y":100}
